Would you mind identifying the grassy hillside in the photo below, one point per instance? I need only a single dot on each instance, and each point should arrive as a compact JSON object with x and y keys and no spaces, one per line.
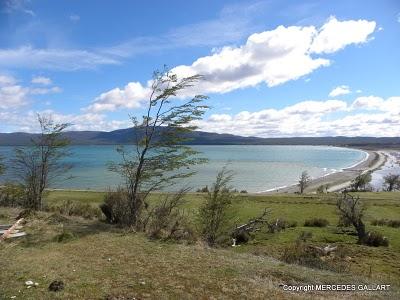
{"x":96,"y":260}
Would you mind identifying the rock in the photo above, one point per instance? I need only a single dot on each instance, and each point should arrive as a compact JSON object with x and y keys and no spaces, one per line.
{"x":29,"y":283}
{"x":56,"y":286}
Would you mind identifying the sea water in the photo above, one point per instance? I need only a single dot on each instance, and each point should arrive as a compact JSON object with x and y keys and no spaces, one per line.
{"x":256,"y":168}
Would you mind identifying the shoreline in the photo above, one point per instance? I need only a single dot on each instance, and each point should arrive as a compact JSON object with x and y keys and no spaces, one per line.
{"x":339,"y":180}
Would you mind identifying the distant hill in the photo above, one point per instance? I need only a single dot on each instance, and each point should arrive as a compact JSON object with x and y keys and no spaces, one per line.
{"x":126,"y":136}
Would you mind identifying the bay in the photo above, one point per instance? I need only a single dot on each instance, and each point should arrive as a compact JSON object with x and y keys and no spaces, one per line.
{"x":256,"y":168}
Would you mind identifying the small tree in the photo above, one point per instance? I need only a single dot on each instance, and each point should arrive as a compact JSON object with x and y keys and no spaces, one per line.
{"x":361,"y":181}
{"x":392,"y":182}
{"x":303,"y":181}
{"x":159,"y":157}
{"x":351,"y":211}
{"x":40,"y":164}
{"x":212,"y":213}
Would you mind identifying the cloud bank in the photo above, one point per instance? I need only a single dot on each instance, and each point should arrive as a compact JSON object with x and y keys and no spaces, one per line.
{"x":272,"y":57}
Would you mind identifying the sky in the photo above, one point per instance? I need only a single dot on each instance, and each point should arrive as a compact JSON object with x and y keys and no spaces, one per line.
{"x":271,"y":68}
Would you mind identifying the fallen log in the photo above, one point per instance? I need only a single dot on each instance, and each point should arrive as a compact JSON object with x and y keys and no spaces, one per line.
{"x":5,"y":227}
{"x":11,"y":230}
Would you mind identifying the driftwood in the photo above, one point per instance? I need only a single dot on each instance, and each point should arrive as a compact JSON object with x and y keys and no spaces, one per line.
{"x":241,"y":233}
{"x":253,"y":224}
{"x":325,"y":251}
{"x":13,"y":231}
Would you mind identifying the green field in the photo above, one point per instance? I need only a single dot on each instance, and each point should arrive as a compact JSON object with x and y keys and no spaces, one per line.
{"x":101,"y":260}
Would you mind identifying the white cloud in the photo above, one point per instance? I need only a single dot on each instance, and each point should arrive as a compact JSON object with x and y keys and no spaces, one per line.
{"x":17,"y":5}
{"x":13,"y":95}
{"x":59,"y":59}
{"x":272,"y":57}
{"x":41,"y":80}
{"x":340,"y":90}
{"x":7,"y":80}
{"x":368,"y":103}
{"x":312,"y":118}
{"x":74,"y":18}
{"x":27,"y":122}
{"x":130,"y":96}
{"x":374,"y":103}
{"x":335,"y":35}
{"x":44,"y":91}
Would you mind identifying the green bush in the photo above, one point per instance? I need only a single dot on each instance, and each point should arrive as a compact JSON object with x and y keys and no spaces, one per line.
{"x":64,"y":236}
{"x":203,"y":190}
{"x":280,"y":224}
{"x":12,"y":195}
{"x":302,"y":252}
{"x":375,"y":239}
{"x":116,"y":207}
{"x":316,"y":222}
{"x":386,"y":222}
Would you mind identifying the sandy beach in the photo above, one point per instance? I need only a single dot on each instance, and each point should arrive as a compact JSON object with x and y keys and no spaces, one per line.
{"x":340,"y":180}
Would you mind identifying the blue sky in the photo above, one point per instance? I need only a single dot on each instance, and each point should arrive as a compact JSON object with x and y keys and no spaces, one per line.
{"x":272,"y":68}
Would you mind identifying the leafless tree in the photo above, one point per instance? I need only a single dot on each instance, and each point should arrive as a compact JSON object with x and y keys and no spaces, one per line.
{"x":361,"y":181}
{"x":392,"y":182}
{"x":303,"y":181}
{"x":351,"y":211}
{"x":40,"y":164}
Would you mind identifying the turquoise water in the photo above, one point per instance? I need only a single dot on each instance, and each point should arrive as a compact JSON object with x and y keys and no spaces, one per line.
{"x":256,"y":168}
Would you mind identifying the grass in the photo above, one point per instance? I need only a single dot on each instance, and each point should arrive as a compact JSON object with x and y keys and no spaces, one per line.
{"x":97,"y":260}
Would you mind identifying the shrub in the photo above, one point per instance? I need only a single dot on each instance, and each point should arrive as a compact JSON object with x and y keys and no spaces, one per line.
{"x":301,"y":252}
{"x":394,"y":223}
{"x":386,"y":222}
{"x":64,"y":236}
{"x":11,"y":195}
{"x":375,"y":239}
{"x":213,"y":212}
{"x":316,"y":222}
{"x":167,"y":221}
{"x":281,"y":224}
{"x":323,"y":189}
{"x":75,"y":208}
{"x":116,"y":207}
{"x":305,"y":236}
{"x":203,"y":190}
{"x":243,"y":192}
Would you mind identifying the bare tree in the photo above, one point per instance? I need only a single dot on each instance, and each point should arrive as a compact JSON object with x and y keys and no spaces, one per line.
{"x":40,"y":164}
{"x":361,"y":181}
{"x":392,"y":182}
{"x":212,"y":213}
{"x":159,"y":157}
{"x":303,"y":181}
{"x":351,"y":211}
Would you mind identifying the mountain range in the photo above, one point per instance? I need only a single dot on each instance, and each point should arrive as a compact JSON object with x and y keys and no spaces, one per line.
{"x":125,"y":136}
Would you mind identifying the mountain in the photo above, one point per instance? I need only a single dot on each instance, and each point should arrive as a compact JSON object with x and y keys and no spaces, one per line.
{"x":126,"y":136}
